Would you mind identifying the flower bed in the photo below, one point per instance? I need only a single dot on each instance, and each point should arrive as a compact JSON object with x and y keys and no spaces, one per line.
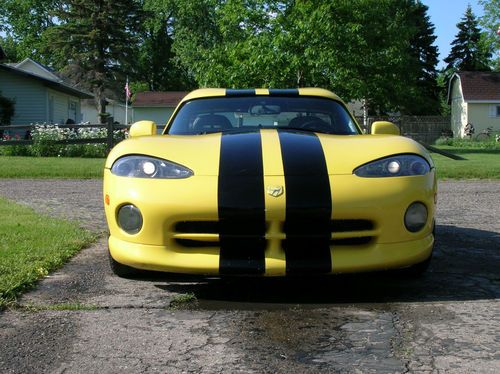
{"x":46,"y":137}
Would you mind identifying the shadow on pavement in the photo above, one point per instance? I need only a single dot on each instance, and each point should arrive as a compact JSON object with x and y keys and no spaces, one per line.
{"x":465,"y":266}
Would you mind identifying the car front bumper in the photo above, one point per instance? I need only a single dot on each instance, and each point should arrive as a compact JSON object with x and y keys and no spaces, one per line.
{"x":179,"y":232}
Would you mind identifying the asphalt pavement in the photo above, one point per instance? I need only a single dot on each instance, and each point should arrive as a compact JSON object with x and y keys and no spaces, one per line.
{"x":82,"y":319}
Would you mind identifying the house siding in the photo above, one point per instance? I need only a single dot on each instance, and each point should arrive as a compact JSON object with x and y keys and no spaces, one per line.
{"x":115,"y":110}
{"x":158,"y":115}
{"x":61,"y":107}
{"x":33,"y":68}
{"x":479,"y":116}
{"x":30,"y":98}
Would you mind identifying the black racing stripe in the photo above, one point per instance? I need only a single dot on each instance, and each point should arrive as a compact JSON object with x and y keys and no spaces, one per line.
{"x":283,"y":92}
{"x":241,"y":205}
{"x":308,"y":204}
{"x":245,"y":92}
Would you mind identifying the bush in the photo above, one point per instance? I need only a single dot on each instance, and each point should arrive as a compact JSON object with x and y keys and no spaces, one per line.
{"x":45,"y":138}
{"x":7,"y":110}
{"x":490,"y":143}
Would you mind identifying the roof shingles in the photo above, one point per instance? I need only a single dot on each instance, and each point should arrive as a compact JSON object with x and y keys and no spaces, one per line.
{"x":158,"y":99}
{"x":480,"y":86}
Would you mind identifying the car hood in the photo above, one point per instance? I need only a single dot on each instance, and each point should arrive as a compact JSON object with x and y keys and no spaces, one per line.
{"x":204,"y":153}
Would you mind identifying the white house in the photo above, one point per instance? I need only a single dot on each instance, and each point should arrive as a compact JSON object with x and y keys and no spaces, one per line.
{"x":39,"y":95}
{"x":156,"y":106}
{"x":474,"y":98}
{"x":115,"y":109}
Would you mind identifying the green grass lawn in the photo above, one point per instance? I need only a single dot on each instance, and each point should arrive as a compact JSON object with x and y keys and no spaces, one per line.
{"x":51,"y":167}
{"x":31,"y":245}
{"x":479,"y":163}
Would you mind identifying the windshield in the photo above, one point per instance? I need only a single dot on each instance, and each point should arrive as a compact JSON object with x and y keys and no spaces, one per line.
{"x":236,"y":114}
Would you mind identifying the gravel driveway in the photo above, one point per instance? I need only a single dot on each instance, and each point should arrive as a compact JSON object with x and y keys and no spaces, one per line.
{"x":448,"y":321}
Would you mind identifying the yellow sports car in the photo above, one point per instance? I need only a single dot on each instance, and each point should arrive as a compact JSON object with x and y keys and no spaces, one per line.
{"x":269,"y":182}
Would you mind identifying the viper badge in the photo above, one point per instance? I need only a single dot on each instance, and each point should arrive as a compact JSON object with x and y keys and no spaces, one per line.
{"x":274,"y":191}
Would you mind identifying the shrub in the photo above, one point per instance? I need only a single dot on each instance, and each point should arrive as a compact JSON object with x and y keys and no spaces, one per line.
{"x":490,"y":143}
{"x":45,"y":137}
{"x":7,"y":110}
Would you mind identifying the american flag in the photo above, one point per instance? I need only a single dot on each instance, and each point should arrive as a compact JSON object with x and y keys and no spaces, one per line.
{"x":127,"y":90}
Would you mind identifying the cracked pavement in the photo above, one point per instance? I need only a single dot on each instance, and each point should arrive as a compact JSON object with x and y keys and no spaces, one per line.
{"x":446,"y":322}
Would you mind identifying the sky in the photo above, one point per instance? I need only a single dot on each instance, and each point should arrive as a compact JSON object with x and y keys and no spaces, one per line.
{"x":445,"y":14}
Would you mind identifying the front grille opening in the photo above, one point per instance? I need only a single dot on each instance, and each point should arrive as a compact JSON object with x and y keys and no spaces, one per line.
{"x":197,"y":227}
{"x":347,"y":225}
{"x":352,"y":241}
{"x":189,"y":243}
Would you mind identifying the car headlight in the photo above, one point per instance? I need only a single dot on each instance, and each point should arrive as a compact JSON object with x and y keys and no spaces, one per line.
{"x":394,"y":166}
{"x":149,"y":167}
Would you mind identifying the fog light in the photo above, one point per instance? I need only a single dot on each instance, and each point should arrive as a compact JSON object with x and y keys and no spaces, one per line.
{"x":130,"y":219}
{"x":415,"y":217}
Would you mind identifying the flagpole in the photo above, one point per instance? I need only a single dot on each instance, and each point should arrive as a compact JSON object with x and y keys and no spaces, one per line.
{"x":126,"y":102}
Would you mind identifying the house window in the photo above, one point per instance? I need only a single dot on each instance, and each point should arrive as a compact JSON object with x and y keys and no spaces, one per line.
{"x":72,"y":112}
{"x":494,"y":111}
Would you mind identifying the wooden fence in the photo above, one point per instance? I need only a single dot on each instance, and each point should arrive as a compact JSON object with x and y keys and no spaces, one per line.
{"x":22,"y":134}
{"x":425,"y":129}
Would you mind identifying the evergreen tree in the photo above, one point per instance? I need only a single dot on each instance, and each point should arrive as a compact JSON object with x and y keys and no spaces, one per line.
{"x":156,"y":67}
{"x":468,"y":52}
{"x":424,"y":90}
{"x":93,"y":41}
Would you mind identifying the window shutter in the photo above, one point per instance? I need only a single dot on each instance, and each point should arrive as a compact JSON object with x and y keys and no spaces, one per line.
{"x":493,"y":111}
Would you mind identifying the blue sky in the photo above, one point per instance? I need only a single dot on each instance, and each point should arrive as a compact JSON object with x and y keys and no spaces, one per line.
{"x":445,"y":14}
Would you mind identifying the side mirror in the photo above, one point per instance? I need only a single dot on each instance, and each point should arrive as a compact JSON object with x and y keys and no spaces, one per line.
{"x":385,"y":127}
{"x":142,"y":128}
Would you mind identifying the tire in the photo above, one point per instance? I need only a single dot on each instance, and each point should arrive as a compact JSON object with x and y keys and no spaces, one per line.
{"x":123,"y":271}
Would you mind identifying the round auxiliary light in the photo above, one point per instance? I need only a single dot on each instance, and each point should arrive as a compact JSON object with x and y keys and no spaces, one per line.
{"x":148,"y":168}
{"x":393,"y":167}
{"x":130,"y":219}
{"x":415,"y":217}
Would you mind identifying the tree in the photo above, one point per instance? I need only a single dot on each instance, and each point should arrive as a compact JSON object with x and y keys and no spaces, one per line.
{"x":93,"y":40}
{"x":468,"y":53}
{"x":10,"y":49}
{"x":23,"y":22}
{"x":360,"y":49}
{"x":156,"y":67}
{"x":491,"y":23}
{"x":423,"y":98}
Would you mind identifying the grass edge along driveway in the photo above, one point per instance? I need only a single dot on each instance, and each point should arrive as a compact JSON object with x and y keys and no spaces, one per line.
{"x":51,"y":167}
{"x":32,"y":245}
{"x":479,"y":164}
